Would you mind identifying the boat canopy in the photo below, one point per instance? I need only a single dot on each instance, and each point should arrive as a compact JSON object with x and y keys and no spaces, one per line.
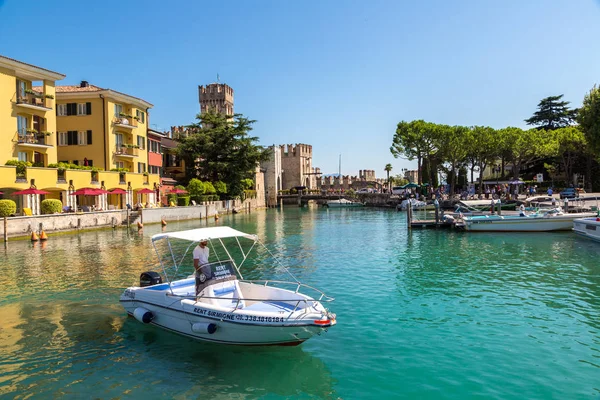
{"x":197,"y":235}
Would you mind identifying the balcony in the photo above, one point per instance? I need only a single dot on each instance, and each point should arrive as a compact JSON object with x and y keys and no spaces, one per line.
{"x":31,"y":138}
{"x":36,"y":101}
{"x":125,"y":122}
{"x":126,"y":151}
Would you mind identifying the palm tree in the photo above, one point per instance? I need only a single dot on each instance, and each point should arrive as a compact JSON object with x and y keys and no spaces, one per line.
{"x":388,"y":169}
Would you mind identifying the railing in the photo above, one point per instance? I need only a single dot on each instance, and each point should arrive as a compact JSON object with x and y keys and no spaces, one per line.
{"x":35,"y":100}
{"x":125,"y":121}
{"x":25,"y":137}
{"x":124,"y":150}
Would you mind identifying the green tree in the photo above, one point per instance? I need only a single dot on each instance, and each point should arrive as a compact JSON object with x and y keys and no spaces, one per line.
{"x":453,"y":150}
{"x":247,"y":184}
{"x":220,"y":187}
{"x":219,"y":148}
{"x":484,"y":147}
{"x":388,"y":169}
{"x":589,"y":119}
{"x":195,"y":187}
{"x":414,"y":140}
{"x":209,"y":188}
{"x":552,"y":113}
{"x":527,"y":146}
{"x":571,"y":143}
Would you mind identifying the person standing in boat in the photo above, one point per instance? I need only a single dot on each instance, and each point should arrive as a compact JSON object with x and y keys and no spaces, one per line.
{"x":200,"y":254}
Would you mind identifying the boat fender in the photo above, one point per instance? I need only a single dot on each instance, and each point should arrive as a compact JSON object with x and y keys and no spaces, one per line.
{"x":143,"y":315}
{"x":204,"y":327}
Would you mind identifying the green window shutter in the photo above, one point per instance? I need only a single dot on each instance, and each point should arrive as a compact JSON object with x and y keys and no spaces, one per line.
{"x":89,"y":136}
{"x":88,"y":106}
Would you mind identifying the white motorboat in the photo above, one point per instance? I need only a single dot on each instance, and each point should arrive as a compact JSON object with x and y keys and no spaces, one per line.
{"x":588,"y":227}
{"x":552,"y":220}
{"x":413,"y":203}
{"x":227,"y":308}
{"x":342,"y":202}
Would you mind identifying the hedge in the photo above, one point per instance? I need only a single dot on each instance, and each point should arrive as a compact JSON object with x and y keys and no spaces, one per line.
{"x":51,"y":206}
{"x":172,"y":198}
{"x":183,"y":201}
{"x":7,"y":208}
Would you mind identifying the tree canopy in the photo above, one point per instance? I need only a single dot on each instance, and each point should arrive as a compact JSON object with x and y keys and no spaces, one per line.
{"x":589,"y":119}
{"x":219,"y":148}
{"x":552,"y":113}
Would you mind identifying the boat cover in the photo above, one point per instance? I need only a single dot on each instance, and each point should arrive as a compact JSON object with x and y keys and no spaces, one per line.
{"x":197,"y":235}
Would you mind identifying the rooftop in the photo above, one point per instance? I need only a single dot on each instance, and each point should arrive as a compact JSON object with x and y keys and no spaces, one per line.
{"x":85,"y":87}
{"x":29,"y":71}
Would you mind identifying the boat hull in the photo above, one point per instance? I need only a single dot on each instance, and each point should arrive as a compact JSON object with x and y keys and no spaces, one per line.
{"x":588,"y":228}
{"x":233,"y":326}
{"x":334,"y":204}
{"x":562,"y":222}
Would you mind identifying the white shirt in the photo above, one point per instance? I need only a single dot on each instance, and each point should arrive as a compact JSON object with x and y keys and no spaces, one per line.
{"x":201,"y":254}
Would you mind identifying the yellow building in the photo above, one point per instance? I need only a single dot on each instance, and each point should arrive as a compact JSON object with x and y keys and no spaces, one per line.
{"x":101,"y":128}
{"x":27,"y":116}
{"x":84,"y":124}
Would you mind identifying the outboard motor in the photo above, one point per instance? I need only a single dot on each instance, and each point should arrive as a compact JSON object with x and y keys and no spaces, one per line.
{"x":150,"y":278}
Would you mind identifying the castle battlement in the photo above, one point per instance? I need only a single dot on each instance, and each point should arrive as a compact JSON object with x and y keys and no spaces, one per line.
{"x":217,"y":97}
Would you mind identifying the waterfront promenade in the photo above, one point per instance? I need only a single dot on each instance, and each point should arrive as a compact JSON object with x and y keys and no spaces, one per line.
{"x":24,"y":226}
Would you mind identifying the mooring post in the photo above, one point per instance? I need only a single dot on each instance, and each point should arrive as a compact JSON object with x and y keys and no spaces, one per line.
{"x":436,"y":204}
{"x":127,"y":217}
{"x":499,"y":205}
{"x":409,"y":216}
{"x":5,"y":230}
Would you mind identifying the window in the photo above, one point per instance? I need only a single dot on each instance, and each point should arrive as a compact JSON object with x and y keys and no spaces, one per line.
{"x":119,"y":139}
{"x":141,"y":116}
{"x":63,"y":138}
{"x":119,"y":164}
{"x":61,"y":110}
{"x":21,"y":86}
{"x":21,"y":124}
{"x":22,"y":156}
{"x":153,"y":146}
{"x":118,"y":109}
{"x":84,"y":108}
{"x":82,"y":138}
{"x":141,"y":142}
{"x":154,"y":169}
{"x":141,"y":168}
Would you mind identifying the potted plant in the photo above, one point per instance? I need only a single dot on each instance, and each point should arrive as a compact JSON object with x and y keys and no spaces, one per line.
{"x":30,"y":130}
{"x":45,"y":133}
{"x":49,"y":96}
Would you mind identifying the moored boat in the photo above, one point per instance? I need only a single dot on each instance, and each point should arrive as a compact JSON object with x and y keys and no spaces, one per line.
{"x":342,"y":202}
{"x":552,"y":220}
{"x":588,"y":227}
{"x":224,"y":307}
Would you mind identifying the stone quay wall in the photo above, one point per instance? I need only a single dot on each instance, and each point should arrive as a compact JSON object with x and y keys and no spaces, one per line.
{"x":24,"y":225}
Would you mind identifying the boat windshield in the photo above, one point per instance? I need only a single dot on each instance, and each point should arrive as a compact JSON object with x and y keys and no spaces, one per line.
{"x":229,"y":250}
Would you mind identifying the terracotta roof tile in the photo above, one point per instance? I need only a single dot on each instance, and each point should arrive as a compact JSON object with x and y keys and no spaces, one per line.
{"x":77,"y":89}
{"x":90,"y":88}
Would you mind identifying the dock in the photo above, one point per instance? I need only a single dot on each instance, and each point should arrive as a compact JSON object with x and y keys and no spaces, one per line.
{"x":439,"y":222}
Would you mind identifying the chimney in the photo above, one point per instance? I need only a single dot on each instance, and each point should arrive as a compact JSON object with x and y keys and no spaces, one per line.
{"x":84,"y":84}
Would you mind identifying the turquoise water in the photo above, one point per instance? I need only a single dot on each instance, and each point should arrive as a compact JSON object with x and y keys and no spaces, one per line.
{"x":422,"y":314}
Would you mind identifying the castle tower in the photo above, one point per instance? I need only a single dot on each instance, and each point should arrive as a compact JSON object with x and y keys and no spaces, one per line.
{"x":216,"y":96}
{"x":296,"y":162}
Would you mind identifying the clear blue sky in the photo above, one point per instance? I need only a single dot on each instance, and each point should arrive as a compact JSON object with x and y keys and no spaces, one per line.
{"x":338,"y":75}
